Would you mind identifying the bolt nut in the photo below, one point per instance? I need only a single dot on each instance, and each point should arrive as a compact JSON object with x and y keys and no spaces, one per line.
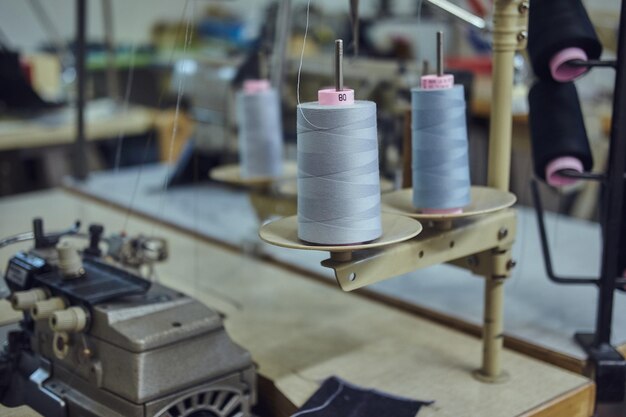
{"x":522,"y":36}
{"x":523,"y":7}
{"x":510,"y":264}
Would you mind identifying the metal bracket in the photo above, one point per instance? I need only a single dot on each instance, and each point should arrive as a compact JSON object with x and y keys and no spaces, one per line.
{"x":473,"y":237}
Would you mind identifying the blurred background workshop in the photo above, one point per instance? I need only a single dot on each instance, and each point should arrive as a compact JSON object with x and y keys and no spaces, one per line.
{"x":230,"y":208}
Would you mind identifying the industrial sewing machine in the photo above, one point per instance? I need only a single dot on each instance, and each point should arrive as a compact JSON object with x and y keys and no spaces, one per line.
{"x":98,"y":339}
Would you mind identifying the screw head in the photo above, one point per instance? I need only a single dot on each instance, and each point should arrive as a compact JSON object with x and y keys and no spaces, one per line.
{"x":510,"y":264}
{"x":502,"y":233}
{"x":522,"y":36}
{"x":523,"y":7}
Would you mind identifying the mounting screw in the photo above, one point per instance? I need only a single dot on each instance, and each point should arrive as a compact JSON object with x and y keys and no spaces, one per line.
{"x":510,"y":264}
{"x":502,"y":233}
{"x":523,"y":7}
{"x":522,"y":36}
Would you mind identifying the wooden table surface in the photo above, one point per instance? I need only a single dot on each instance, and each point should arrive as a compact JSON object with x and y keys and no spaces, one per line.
{"x":301,"y":331}
{"x":104,"y":120}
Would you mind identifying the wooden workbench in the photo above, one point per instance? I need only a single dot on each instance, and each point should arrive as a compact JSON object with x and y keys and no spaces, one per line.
{"x":301,"y":331}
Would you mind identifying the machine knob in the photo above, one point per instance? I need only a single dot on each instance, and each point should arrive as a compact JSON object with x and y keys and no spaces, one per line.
{"x":24,"y":300}
{"x":71,"y":320}
{"x":44,"y":309}
{"x":95,"y":235}
{"x":70,"y":263}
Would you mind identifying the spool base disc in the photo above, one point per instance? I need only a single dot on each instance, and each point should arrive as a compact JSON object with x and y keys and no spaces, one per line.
{"x":231,"y":174}
{"x":483,"y":200}
{"x":284,"y":233}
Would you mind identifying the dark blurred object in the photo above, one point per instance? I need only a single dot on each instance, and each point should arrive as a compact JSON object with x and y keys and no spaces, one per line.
{"x":555,"y":25}
{"x":16,"y":94}
{"x":340,"y":398}
{"x":557,"y":128}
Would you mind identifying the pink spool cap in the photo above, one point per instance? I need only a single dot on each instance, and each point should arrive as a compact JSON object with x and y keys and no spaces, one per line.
{"x":559,"y":65}
{"x":332,"y":97}
{"x":565,"y":162}
{"x":256,"y":86}
{"x":435,"y":82}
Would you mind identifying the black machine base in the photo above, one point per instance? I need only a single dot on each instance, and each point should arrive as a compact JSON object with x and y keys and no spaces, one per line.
{"x":608,"y":368}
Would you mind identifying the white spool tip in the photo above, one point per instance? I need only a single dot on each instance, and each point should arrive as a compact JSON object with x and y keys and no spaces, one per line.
{"x":70,"y":263}
{"x":44,"y":309}
{"x":24,"y":300}
{"x":71,"y":320}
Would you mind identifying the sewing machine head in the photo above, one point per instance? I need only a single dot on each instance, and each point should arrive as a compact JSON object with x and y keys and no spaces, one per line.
{"x":98,"y":339}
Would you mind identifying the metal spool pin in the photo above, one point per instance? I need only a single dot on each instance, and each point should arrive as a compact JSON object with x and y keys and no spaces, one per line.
{"x":339,"y":65}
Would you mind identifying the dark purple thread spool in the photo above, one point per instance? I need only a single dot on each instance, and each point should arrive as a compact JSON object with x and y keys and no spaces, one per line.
{"x":560,"y":31}
{"x":557,"y":129}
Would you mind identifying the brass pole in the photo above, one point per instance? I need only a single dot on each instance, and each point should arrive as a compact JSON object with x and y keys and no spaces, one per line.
{"x":509,"y":34}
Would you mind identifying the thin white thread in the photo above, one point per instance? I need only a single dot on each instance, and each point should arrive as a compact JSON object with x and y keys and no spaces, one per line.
{"x":323,"y":406}
{"x":131,"y":203}
{"x":125,"y":105}
{"x":181,"y":85}
{"x":306,"y":31}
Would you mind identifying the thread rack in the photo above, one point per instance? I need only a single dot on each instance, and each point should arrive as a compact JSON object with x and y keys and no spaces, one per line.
{"x":480,"y":242}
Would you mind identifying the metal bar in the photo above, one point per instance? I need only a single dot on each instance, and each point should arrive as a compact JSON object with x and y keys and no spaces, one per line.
{"x":589,"y":176}
{"x":592,"y":63}
{"x":613,"y":210}
{"x":354,"y":14}
{"x":80,"y":147}
{"x":339,"y":65}
{"x":440,"y":54}
{"x":459,"y":13}
{"x":431,"y":247}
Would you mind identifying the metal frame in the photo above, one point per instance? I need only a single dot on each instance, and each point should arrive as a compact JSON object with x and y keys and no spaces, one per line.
{"x":609,"y":367}
{"x":482,"y":243}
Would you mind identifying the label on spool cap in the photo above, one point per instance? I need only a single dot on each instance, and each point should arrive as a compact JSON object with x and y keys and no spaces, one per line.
{"x":332,"y":97}
{"x":434,"y":82}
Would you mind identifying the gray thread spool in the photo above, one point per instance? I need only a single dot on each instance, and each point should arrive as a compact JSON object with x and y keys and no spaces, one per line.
{"x":440,"y":151}
{"x":338,"y":174}
{"x":260,"y":134}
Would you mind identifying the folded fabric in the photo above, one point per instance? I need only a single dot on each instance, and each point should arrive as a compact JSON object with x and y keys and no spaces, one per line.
{"x":338,"y":398}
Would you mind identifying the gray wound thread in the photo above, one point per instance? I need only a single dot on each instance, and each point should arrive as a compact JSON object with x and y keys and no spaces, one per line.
{"x":440,"y":159}
{"x":338,"y":178}
{"x":260,"y":134}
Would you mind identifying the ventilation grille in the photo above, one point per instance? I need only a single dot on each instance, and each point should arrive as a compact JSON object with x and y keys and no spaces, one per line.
{"x":214,"y":403}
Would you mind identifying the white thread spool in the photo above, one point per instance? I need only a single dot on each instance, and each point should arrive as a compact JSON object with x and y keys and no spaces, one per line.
{"x":260,"y":130}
